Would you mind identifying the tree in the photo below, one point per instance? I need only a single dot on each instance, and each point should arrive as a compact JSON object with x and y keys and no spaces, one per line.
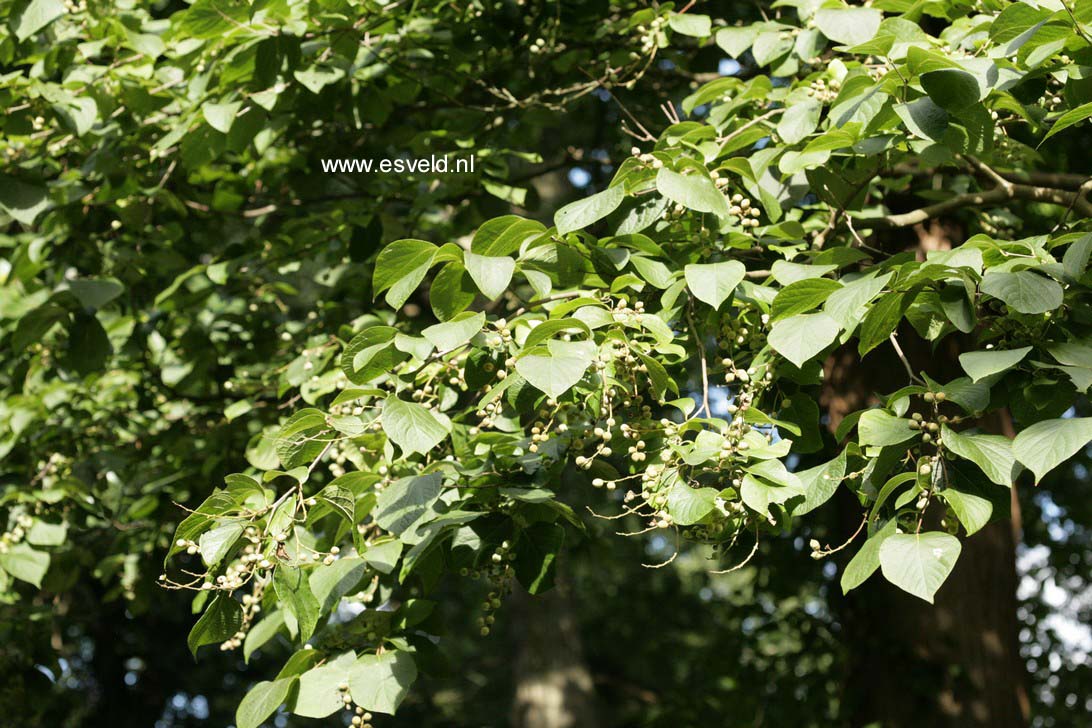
{"x":662,"y":343}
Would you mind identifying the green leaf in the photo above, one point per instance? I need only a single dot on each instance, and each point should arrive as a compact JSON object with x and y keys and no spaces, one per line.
{"x":893,"y":484}
{"x":43,"y":533}
{"x":693,"y":191}
{"x":919,"y":563}
{"x":371,"y":354}
{"x":820,"y":483}
{"x":880,"y":321}
{"x":220,"y":622}
{"x":95,"y":292}
{"x":770,"y":46}
{"x":452,"y":291}
{"x":329,"y":583}
{"x":490,"y":274}
{"x":260,"y":634}
{"x":413,"y":427}
{"x":582,"y":213}
{"x":923,"y":118}
{"x":537,"y":549}
{"x":88,"y":345}
{"x":318,"y":694}
{"x":294,"y":593}
{"x":35,"y":16}
{"x":982,"y":364}
{"x":406,"y":502}
{"x":262,"y":701}
{"x":802,"y":297}
{"x":25,"y":563}
{"x":951,"y":88}
{"x":849,"y":26}
{"x":297,"y":442}
{"x":865,"y":562}
{"x":878,"y":428}
{"x":697,"y":26}
{"x":457,"y":331}
{"x":557,"y":371}
{"x":380,"y":683}
{"x":769,"y":482}
{"x":214,"y":545}
{"x":966,"y":492}
{"x":799,"y":120}
{"x":1024,"y":291}
{"x":847,"y":306}
{"x":786,"y":272}
{"x":383,"y":557}
{"x":546,"y":330}
{"x":400,"y":267}
{"x":687,"y":505}
{"x":1068,"y":119}
{"x":736,"y":41}
{"x":1075,"y":260}
{"x":802,"y":337}
{"x":221,"y":116}
{"x":316,"y":78}
{"x":1046,"y":445}
{"x":958,"y":307}
{"x":972,"y":397}
{"x":713,"y":283}
{"x":653,"y":271}
{"x":992,"y":453}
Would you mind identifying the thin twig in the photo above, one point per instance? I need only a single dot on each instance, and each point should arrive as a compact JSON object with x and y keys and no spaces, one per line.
{"x":704,"y":363}
{"x":673,"y":556}
{"x":740,"y":565}
{"x":905,"y":362}
{"x":749,"y":124}
{"x":829,"y":551}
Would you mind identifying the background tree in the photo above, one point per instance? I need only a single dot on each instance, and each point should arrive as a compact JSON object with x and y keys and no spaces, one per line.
{"x":159,"y":341}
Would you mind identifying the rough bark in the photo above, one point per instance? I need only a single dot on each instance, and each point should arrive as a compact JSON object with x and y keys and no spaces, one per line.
{"x":554,"y":688}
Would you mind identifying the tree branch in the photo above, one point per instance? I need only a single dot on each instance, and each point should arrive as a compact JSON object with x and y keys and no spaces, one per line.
{"x":994,"y":196}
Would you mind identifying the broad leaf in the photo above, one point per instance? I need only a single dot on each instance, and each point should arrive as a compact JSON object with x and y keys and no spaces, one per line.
{"x":992,"y":453}
{"x":451,"y":334}
{"x":294,"y":593}
{"x":1046,"y":445}
{"x":879,"y":429}
{"x":537,"y":549}
{"x":380,"y":683}
{"x":850,"y":26}
{"x":558,"y":369}
{"x":692,"y":191}
{"x":25,"y":563}
{"x":221,"y":620}
{"x":865,"y":562}
{"x":319,"y":694}
{"x":713,"y":283}
{"x":413,"y":427}
{"x":406,"y":502}
{"x":800,"y":338}
{"x":400,"y":267}
{"x":1024,"y":291}
{"x":490,"y":274}
{"x":582,"y":213}
{"x":919,"y":562}
{"x":982,"y":364}
{"x":262,"y":701}
{"x":687,"y":505}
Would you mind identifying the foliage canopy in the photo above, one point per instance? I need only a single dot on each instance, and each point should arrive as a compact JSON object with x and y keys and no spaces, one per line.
{"x":435,"y":438}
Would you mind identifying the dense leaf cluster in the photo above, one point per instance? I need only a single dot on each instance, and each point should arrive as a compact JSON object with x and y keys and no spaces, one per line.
{"x":729,"y":254}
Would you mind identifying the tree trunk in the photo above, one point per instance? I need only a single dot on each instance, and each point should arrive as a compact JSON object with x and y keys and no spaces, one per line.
{"x":553,"y":685}
{"x":954,"y":663}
